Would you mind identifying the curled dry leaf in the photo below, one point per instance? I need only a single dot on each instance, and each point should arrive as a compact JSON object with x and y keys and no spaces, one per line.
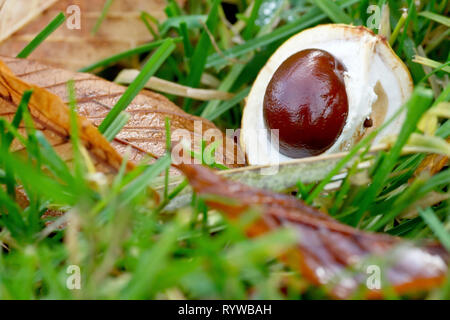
{"x":69,"y":46}
{"x":328,"y":253}
{"x":144,"y":134}
{"x":51,"y":116}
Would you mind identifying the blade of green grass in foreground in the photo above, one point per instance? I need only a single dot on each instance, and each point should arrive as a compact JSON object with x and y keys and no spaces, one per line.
{"x":341,"y":164}
{"x":8,"y":137}
{"x":227,"y":105}
{"x":80,"y":168}
{"x":138,"y":84}
{"x":416,"y":106}
{"x":191,"y":21}
{"x":226,"y":85}
{"x":52,"y":159}
{"x":168,"y":151}
{"x":138,"y":185}
{"x":40,"y":183}
{"x":151,"y":262}
{"x":18,"y":116}
{"x":44,"y":34}
{"x":32,"y":144}
{"x":145,"y":179}
{"x":421,"y":191}
{"x":116,"y":126}
{"x":436,"y":226}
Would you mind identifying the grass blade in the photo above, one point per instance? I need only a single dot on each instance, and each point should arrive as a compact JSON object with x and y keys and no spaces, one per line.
{"x":417,"y":105}
{"x":436,"y":17}
{"x":199,"y":57}
{"x":192,"y":21}
{"x":248,"y":31}
{"x":80,"y":168}
{"x":436,"y":226}
{"x":138,"y":84}
{"x":333,"y":11}
{"x":168,"y":151}
{"x":140,"y":183}
{"x":18,"y":116}
{"x":224,"y":107}
{"x":344,"y":161}
{"x":53,"y":160}
{"x":145,"y":17}
{"x":226,"y":86}
{"x":431,"y":63}
{"x":116,"y":126}
{"x":44,"y":34}
{"x":102,"y":17}
{"x":188,"y":49}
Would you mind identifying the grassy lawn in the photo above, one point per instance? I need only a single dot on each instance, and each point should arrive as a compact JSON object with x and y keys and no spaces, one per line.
{"x":127,"y":246}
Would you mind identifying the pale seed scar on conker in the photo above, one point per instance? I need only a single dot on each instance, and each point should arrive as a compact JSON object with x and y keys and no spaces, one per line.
{"x":307,"y":102}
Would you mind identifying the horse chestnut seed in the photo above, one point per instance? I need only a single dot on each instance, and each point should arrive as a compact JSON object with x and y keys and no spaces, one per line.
{"x":307,"y":102}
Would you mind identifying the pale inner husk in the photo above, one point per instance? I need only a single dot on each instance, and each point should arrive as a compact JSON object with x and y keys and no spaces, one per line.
{"x":368,"y":60}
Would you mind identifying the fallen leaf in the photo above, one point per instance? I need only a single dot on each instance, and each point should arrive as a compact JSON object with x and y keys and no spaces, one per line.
{"x":144,"y":134}
{"x":16,"y":14}
{"x":51,"y":116}
{"x":432,"y":164}
{"x":282,"y":177}
{"x":328,"y":253}
{"x":71,"y":48}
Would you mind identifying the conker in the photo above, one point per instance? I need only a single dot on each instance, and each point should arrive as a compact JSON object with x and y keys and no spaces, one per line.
{"x":307,"y":102}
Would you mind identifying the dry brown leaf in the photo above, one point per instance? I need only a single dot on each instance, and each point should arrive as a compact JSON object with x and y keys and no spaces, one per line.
{"x":144,"y":132}
{"x":15,"y":14}
{"x":432,"y":164}
{"x":72,"y":49}
{"x":51,"y":116}
{"x":327,"y":249}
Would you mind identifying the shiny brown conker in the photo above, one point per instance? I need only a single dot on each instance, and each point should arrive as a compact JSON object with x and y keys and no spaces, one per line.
{"x":307,"y":102}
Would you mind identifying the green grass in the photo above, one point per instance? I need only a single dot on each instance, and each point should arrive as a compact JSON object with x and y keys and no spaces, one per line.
{"x":102,"y":17}
{"x":44,"y":34}
{"x":123,"y":55}
{"x":128,"y":246}
{"x":436,"y":17}
{"x":138,"y":84}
